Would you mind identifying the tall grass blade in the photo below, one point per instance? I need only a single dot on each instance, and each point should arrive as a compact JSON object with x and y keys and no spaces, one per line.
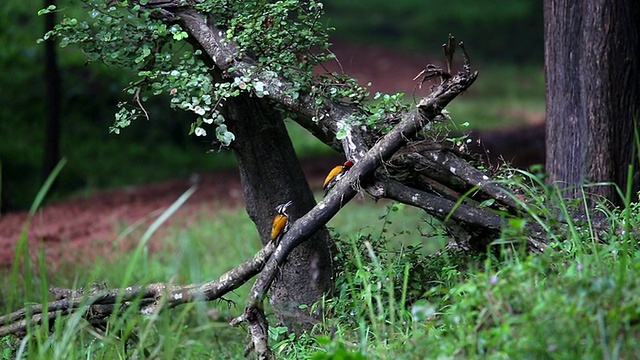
{"x":46,"y":186}
{"x":140,"y":249}
{"x":22,"y":246}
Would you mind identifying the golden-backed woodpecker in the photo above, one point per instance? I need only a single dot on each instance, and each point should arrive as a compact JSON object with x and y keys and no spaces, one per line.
{"x":280,"y":222}
{"x":335,"y":175}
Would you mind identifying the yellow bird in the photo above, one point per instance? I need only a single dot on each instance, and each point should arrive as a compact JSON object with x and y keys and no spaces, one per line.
{"x":280,"y":222}
{"x":335,"y":175}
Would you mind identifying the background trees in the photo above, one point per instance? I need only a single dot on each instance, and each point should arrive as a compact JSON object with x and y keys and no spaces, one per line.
{"x":53,"y":99}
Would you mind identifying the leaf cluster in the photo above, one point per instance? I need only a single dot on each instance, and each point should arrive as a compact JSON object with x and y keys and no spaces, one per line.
{"x":286,"y":37}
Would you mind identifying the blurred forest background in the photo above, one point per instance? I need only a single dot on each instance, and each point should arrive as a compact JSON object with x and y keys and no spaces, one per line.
{"x":505,"y":40}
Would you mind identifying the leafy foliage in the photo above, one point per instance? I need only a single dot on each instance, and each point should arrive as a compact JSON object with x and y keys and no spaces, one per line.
{"x":129,"y":37}
{"x":284,"y":37}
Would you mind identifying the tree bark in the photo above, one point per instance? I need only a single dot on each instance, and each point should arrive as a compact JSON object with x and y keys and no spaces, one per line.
{"x":271,"y":175}
{"x":592,"y":69}
{"x":53,"y":98}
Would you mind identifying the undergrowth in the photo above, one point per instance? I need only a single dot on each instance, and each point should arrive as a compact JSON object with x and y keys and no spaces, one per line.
{"x":392,"y":299}
{"x":577,"y":299}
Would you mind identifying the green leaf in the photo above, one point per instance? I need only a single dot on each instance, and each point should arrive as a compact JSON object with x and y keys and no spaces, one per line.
{"x":146,"y":51}
{"x":224,"y":136}
{"x":180,"y":35}
{"x":517,"y":223}
{"x":49,"y":9}
{"x":487,"y":202}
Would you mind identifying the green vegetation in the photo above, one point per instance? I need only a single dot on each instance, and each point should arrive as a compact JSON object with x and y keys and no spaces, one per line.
{"x":503,"y":96}
{"x":394,"y":298}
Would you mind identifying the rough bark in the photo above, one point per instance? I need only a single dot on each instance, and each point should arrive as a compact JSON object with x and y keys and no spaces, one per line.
{"x":271,"y":175}
{"x":592,"y":69}
{"x":53,"y":98}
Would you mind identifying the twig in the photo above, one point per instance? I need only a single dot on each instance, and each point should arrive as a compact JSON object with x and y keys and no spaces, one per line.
{"x":136,"y":97}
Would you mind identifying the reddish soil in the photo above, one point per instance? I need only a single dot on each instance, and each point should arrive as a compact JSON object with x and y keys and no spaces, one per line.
{"x":89,"y":225}
{"x":388,"y":71}
{"x":83,"y":227}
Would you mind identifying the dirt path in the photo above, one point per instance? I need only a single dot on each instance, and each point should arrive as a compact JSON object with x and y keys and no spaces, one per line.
{"x":88,"y":225}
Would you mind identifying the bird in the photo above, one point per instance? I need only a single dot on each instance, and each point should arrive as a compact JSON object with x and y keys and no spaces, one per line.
{"x":335,"y":175}
{"x":280,"y":222}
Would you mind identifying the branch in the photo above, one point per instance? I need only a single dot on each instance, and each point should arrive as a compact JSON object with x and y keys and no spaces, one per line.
{"x":439,"y":163}
{"x":98,"y":304}
{"x":328,"y":118}
{"x":439,"y":207}
{"x":360,"y":175}
{"x":471,"y":227}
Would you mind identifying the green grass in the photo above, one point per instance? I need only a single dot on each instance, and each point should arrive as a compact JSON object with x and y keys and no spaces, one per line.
{"x":576,"y":300}
{"x":182,"y":255}
{"x":394,"y":298}
{"x":178,"y":253}
{"x":492,"y":103}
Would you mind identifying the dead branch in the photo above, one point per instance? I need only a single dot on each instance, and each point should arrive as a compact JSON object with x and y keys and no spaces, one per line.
{"x":97,"y":304}
{"x":442,"y":164}
{"x":358,"y":175}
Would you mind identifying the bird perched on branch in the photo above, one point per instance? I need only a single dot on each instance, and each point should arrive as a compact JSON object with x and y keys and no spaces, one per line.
{"x":280,"y":222}
{"x":335,"y":175}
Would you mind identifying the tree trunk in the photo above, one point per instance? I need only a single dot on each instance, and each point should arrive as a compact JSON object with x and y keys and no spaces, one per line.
{"x":53,"y":98}
{"x":592,"y":57}
{"x":271,"y":175}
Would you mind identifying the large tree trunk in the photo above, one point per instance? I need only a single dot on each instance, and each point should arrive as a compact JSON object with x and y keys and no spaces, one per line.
{"x":271,"y":175}
{"x":592,"y":57}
